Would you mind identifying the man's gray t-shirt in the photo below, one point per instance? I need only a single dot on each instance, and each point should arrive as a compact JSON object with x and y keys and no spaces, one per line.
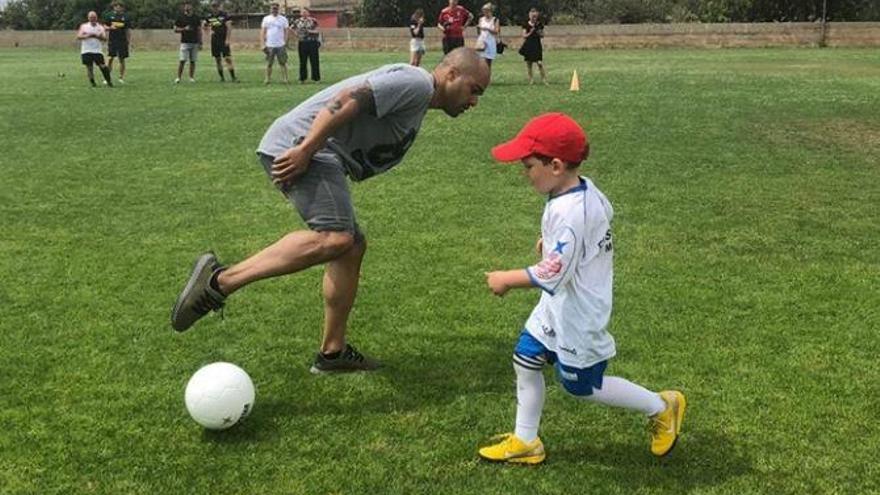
{"x":368,"y":145}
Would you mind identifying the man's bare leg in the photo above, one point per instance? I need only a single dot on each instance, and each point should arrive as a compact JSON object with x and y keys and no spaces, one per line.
{"x":294,"y":252}
{"x":341,"y":277}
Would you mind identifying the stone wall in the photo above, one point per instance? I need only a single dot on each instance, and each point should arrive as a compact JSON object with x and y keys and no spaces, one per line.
{"x":598,"y":36}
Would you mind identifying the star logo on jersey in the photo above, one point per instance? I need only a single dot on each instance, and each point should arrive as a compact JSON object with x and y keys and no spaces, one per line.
{"x":559,"y":247}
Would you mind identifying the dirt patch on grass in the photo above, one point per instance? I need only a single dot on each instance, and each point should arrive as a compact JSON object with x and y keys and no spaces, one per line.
{"x":852,"y":134}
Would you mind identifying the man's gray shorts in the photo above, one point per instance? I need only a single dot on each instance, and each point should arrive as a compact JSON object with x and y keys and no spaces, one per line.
{"x":321,"y":195}
{"x":189,"y":52}
{"x":278,"y":52}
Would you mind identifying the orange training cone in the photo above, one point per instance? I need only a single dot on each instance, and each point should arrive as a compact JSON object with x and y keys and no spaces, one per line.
{"x":575,"y":82}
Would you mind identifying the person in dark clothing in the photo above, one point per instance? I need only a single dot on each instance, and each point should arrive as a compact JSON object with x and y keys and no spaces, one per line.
{"x":188,"y":25}
{"x":220,"y":25}
{"x":531,"y":49}
{"x":119,"y":26}
{"x":306,"y":28}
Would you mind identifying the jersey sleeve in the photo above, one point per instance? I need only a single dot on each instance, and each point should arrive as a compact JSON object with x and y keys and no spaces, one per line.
{"x":399,"y":90}
{"x":560,"y":254}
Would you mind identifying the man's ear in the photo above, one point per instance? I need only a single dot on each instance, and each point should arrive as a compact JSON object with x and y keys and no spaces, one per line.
{"x":452,"y":74}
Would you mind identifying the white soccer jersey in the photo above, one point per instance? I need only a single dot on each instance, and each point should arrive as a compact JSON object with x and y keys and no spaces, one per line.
{"x":575,"y":273}
{"x":91,"y":45}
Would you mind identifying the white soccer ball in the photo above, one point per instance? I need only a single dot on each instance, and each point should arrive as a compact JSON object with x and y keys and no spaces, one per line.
{"x":219,"y":395}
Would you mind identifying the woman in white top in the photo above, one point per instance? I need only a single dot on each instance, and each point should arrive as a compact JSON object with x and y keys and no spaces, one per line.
{"x":489,"y":30}
{"x":417,"y":37}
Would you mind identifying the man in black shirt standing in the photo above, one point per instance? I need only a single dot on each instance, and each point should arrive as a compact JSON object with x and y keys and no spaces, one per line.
{"x":220,"y":25}
{"x":188,"y":25}
{"x":119,"y":25}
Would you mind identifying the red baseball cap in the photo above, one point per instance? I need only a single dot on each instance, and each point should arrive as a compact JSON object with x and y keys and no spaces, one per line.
{"x":555,"y":135}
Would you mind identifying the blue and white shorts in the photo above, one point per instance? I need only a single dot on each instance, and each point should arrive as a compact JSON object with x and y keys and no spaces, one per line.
{"x":530,"y":353}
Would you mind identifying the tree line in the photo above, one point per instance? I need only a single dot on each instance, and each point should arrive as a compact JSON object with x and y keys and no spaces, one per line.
{"x":158,"y":14}
{"x":396,"y":12}
{"x":145,"y":14}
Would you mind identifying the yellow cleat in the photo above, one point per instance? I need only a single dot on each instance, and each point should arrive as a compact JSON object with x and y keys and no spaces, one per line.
{"x":666,"y":426}
{"x":513,"y":450}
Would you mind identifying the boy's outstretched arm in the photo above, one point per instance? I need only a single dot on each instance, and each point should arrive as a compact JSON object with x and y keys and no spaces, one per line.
{"x":502,"y":281}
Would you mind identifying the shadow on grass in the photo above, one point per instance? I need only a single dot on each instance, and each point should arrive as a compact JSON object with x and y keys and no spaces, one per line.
{"x":415,"y":381}
{"x":701,"y":459}
{"x":428,"y":374}
{"x":437,"y":371}
{"x":256,"y":428}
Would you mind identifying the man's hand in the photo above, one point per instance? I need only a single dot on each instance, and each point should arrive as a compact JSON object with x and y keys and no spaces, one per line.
{"x":497,"y":282}
{"x":290,"y":164}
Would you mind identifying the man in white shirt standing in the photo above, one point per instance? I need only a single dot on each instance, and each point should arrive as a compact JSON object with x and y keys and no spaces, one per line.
{"x":273,"y":38}
{"x":92,"y":35}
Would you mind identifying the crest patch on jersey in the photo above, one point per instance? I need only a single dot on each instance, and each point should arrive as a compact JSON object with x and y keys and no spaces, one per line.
{"x":549,"y":266}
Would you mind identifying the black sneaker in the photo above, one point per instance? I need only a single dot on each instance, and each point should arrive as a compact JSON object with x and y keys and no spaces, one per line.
{"x":349,"y":360}
{"x":197,"y":297}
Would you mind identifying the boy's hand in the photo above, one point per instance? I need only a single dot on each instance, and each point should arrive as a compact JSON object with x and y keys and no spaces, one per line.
{"x":497,"y":282}
{"x":539,"y":246}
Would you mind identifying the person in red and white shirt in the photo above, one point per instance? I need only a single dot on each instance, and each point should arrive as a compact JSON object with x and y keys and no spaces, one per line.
{"x":452,"y":21}
{"x":92,"y":36}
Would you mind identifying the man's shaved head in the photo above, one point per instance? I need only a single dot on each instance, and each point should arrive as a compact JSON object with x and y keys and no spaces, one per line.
{"x":461,"y":78}
{"x":466,"y":61}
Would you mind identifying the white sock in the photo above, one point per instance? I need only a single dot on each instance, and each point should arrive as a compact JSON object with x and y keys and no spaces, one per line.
{"x":529,"y":402}
{"x":619,"y":392}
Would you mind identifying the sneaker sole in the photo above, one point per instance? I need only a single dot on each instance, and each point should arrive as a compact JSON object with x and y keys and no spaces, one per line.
{"x":317,"y":371}
{"x":531,"y":461}
{"x":199,"y":265}
{"x":528,"y":460}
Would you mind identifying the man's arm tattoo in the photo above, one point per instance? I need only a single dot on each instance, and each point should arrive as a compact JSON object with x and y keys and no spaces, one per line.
{"x":334,"y":106}
{"x":363,"y":95}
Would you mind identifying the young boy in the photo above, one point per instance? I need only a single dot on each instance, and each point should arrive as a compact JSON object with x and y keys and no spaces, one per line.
{"x":568,"y":327}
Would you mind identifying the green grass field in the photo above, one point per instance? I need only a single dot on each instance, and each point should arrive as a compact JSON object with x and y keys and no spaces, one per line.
{"x":746,"y":185}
